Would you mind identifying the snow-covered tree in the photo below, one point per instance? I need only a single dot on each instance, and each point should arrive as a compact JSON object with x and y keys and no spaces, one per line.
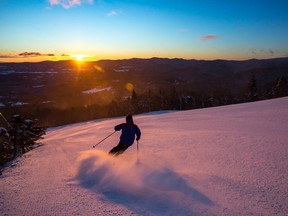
{"x":20,"y":136}
{"x":5,"y":146}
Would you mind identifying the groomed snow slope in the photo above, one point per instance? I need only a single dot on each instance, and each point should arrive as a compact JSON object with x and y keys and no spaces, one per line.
{"x":228,"y":160}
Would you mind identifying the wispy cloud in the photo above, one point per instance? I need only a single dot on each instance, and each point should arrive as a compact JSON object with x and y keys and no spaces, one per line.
{"x":113,"y":13}
{"x":22,"y":55}
{"x":34,"y":54}
{"x":69,"y":3}
{"x":209,"y":37}
{"x":264,"y":51}
{"x":30,"y":55}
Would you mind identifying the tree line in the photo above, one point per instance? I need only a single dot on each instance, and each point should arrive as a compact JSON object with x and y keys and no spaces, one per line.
{"x":22,"y":135}
{"x":173,"y":98}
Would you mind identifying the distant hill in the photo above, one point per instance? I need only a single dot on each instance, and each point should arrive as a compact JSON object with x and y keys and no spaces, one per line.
{"x":69,"y":84}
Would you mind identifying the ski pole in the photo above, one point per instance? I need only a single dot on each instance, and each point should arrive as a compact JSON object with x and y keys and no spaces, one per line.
{"x":104,"y":139}
{"x":137,"y":151}
{"x":5,"y":119}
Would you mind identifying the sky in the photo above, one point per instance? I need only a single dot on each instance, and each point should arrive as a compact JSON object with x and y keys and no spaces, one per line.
{"x":37,"y":30}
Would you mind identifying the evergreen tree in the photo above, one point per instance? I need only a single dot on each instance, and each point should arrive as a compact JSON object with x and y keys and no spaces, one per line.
{"x":134,"y":96}
{"x":281,"y":87}
{"x":6,"y":150}
{"x":24,"y":134}
{"x":252,"y":89}
{"x":134,"y":101}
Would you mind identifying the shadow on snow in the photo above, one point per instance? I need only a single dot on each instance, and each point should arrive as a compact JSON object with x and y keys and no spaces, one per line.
{"x":143,"y":188}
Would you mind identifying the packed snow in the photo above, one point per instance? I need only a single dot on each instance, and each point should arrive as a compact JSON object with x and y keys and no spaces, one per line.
{"x":18,"y":103}
{"x":229,"y":160}
{"x":38,"y":86}
{"x":123,"y":69}
{"x":95,"y":90}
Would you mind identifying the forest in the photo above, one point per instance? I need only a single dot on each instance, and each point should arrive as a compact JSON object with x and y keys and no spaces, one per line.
{"x":63,"y":92}
{"x":35,"y":96}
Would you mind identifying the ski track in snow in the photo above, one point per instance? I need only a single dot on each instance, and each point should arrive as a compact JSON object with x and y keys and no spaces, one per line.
{"x":228,"y":160}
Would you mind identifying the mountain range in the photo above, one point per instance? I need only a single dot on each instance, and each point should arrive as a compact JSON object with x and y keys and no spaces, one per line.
{"x":67,"y":84}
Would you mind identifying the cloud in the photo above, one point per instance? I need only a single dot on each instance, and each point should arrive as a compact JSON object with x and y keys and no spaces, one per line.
{"x":30,"y":54}
{"x":209,"y":37}
{"x":25,"y":55}
{"x":264,"y":51}
{"x":34,"y":54}
{"x":69,"y":3}
{"x":113,"y":13}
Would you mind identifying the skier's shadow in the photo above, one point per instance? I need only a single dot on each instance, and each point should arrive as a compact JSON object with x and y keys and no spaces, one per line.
{"x":164,"y":192}
{"x":149,"y":190}
{"x":168,"y":180}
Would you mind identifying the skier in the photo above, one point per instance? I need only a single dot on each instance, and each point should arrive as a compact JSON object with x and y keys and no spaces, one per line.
{"x":129,"y":130}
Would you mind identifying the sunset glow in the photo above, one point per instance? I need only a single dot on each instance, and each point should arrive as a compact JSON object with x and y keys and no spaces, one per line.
{"x":79,"y":57}
{"x":121,"y":29}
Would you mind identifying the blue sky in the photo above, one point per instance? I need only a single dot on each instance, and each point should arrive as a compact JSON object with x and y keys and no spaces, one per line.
{"x":109,"y":29}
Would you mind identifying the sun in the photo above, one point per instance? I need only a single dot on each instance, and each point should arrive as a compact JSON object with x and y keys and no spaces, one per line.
{"x":78,"y":57}
{"x":81,"y":57}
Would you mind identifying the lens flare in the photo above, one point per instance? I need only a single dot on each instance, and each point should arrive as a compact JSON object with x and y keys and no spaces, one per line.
{"x":129,"y":86}
{"x":99,"y":69}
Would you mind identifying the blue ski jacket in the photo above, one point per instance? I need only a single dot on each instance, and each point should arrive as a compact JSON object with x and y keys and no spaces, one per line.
{"x":129,"y":130}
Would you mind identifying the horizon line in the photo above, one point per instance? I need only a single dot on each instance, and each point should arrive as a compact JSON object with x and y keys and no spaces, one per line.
{"x":142,"y":58}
